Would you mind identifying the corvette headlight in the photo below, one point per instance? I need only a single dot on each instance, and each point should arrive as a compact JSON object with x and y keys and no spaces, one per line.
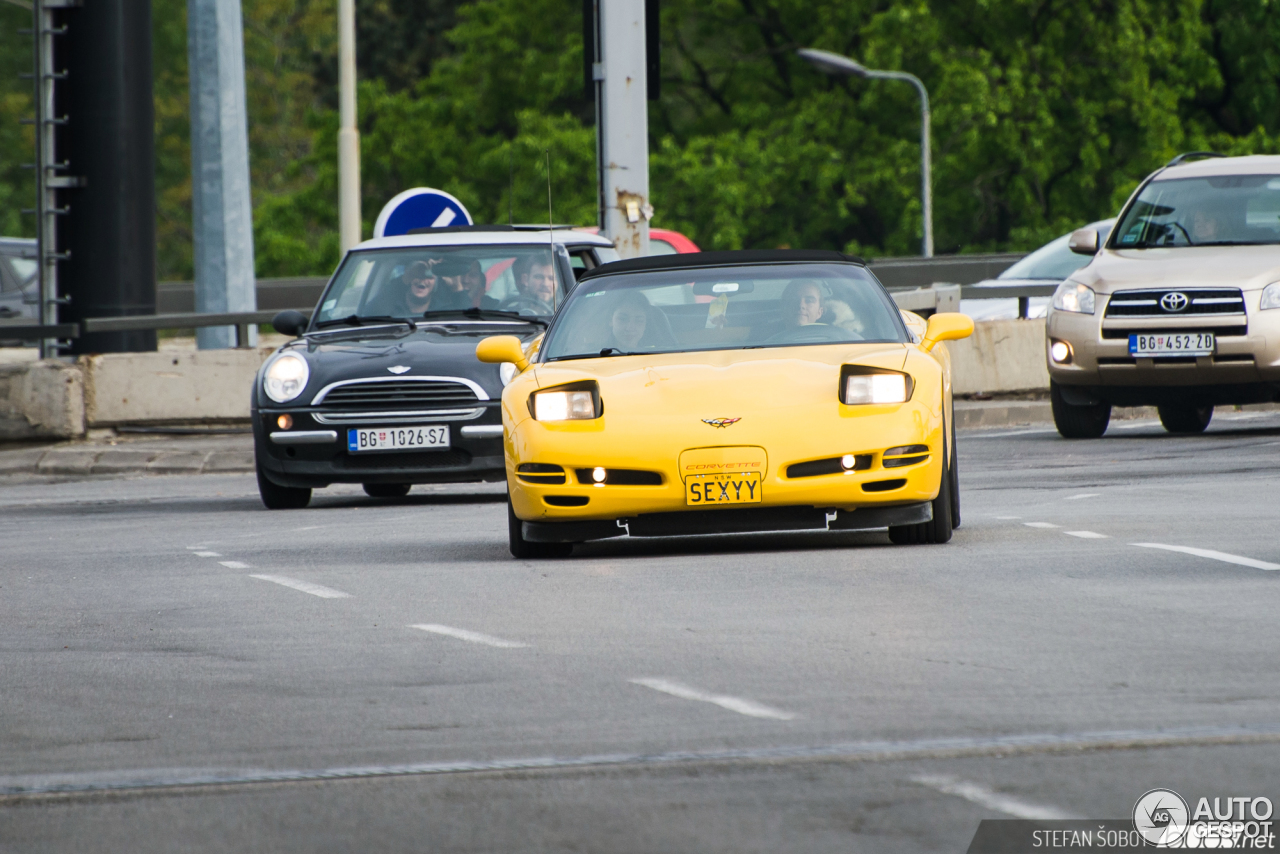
{"x":1270,"y":296}
{"x":507,"y":372}
{"x":286,"y":377}
{"x":1073,"y":296}
{"x":875,"y":387}
{"x":574,"y":402}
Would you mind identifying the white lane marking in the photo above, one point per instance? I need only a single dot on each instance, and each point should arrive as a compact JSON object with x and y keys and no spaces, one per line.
{"x":944,"y":748}
{"x":1041,"y":525}
{"x":1212,"y":555}
{"x":234,"y":564}
{"x":1009,"y":433}
{"x":992,"y":800}
{"x":206,"y":554}
{"x":472,"y":637}
{"x":1008,"y":517}
{"x":305,"y":586}
{"x":1086,"y":535}
{"x":733,"y":704}
{"x":308,"y":528}
{"x":1083,"y":495}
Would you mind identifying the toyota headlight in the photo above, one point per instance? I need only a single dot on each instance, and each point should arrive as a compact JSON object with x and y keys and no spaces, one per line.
{"x":1270,"y":296}
{"x":286,"y":377}
{"x":575,"y":402}
{"x":859,"y":387}
{"x":1073,"y":296}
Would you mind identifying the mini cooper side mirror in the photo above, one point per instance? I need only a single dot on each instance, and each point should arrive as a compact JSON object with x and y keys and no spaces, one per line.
{"x":946,"y":326}
{"x":1083,"y":241}
{"x":502,"y":348}
{"x":289,"y":322}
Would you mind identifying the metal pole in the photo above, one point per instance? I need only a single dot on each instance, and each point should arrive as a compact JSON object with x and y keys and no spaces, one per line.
{"x":222,"y":207}
{"x":624,"y":126}
{"x":349,"y":228}
{"x":926,"y":167}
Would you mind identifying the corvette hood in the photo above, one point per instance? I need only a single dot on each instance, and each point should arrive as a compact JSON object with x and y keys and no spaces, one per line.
{"x":1245,"y":267}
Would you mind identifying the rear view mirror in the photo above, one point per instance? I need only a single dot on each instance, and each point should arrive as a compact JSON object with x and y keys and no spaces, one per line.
{"x":715,"y":289}
{"x":289,"y":322}
{"x":946,"y":326}
{"x":1083,"y":241}
{"x":502,"y":348}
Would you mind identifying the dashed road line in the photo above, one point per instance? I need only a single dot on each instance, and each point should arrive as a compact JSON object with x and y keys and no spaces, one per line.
{"x":1007,"y":518}
{"x":1211,"y":554}
{"x":469,"y":636}
{"x":1086,"y":535}
{"x":749,"y":708}
{"x":206,"y":554}
{"x":1083,"y":495}
{"x":234,"y":564}
{"x":992,"y":800}
{"x":305,"y":586}
{"x":1041,"y":525}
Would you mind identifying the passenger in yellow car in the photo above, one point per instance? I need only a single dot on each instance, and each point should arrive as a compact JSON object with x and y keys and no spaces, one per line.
{"x":627,"y":323}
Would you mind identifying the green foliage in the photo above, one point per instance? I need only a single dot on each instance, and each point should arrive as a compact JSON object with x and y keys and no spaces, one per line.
{"x":17,"y":141}
{"x":1046,"y":114}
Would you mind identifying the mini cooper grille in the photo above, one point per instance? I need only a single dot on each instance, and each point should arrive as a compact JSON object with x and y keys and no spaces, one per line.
{"x":432,"y":394}
{"x":1175,"y":303}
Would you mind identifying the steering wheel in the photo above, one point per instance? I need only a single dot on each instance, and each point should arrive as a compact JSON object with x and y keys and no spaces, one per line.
{"x":526,"y":305}
{"x":812,"y":332}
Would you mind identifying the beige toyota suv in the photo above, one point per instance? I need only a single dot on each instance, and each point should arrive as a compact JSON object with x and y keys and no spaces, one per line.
{"x":1180,"y":307}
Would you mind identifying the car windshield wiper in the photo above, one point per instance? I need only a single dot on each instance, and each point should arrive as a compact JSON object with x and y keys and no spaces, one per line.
{"x":360,"y":320}
{"x":483,"y":313}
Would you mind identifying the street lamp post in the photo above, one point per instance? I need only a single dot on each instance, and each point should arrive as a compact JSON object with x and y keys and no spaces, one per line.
{"x":834,"y":63}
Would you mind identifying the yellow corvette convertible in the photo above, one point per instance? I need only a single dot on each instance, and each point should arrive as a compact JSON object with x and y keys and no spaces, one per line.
{"x":725,"y":392}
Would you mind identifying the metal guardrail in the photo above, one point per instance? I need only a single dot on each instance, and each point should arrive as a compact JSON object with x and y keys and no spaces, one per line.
{"x":938,"y":297}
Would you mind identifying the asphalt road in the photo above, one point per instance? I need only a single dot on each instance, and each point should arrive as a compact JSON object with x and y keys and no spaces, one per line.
{"x":181,"y":670}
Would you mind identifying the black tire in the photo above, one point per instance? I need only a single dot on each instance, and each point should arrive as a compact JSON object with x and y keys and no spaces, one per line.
{"x":522,"y":549}
{"x":1185,"y":418}
{"x":1078,"y":422}
{"x":387,"y":490}
{"x":937,"y":530}
{"x":277,"y":497}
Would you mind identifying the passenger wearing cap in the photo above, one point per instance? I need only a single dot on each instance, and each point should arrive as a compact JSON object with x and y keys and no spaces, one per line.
{"x":451,"y":294}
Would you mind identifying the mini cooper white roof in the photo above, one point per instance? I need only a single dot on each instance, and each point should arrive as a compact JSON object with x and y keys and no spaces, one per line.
{"x":488,"y":235}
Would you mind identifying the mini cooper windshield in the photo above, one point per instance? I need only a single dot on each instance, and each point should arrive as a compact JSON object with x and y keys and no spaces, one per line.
{"x":723,"y":308}
{"x":1231,"y":210}
{"x":420,"y":282}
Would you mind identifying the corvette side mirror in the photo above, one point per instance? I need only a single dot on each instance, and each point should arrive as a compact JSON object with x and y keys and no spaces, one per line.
{"x":289,"y":322}
{"x":947,"y":326}
{"x":1083,"y":241}
{"x":502,"y":348}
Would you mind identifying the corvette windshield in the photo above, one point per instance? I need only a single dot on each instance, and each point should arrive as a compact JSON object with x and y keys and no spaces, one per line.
{"x":724,"y":308}
{"x":417,"y":282}
{"x":1230,"y":210}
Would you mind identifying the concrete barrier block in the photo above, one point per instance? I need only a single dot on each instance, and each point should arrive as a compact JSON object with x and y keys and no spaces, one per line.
{"x":1000,"y":356}
{"x":158,"y":388}
{"x":41,"y":399}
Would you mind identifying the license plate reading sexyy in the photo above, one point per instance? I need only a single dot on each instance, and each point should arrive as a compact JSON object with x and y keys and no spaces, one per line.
{"x":1171,"y":344}
{"x":397,"y":438}
{"x":737,"y":488}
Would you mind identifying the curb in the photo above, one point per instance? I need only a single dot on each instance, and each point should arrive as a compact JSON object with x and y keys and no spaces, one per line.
{"x":86,"y":460}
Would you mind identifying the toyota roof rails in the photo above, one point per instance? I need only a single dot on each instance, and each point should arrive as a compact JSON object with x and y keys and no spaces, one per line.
{"x":1187,"y":155}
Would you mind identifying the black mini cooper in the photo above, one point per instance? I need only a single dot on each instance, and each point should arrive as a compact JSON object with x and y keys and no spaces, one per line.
{"x":382,"y":386}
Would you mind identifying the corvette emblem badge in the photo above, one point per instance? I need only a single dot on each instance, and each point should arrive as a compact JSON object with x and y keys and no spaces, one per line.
{"x":398,"y":369}
{"x":720,"y":422}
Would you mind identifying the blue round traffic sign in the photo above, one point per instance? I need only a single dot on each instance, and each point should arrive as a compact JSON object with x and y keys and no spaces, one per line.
{"x":421,"y":207}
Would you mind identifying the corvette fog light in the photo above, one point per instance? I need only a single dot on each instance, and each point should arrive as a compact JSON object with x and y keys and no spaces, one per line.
{"x":1060,"y":351}
{"x":848,"y":462}
{"x":598,"y":474}
{"x":285,"y":421}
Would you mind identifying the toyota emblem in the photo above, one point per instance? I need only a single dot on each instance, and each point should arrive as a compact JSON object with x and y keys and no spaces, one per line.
{"x":1174,"y":301}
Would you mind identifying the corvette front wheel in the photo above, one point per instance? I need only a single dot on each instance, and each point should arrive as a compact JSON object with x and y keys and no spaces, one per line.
{"x":522,"y":549}
{"x":936,"y":530}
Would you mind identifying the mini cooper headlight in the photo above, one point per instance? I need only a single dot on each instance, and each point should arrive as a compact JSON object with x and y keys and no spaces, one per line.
{"x":1270,"y":296}
{"x":574,"y":402}
{"x":285,"y":377}
{"x":1073,"y":296}
{"x":874,"y":387}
